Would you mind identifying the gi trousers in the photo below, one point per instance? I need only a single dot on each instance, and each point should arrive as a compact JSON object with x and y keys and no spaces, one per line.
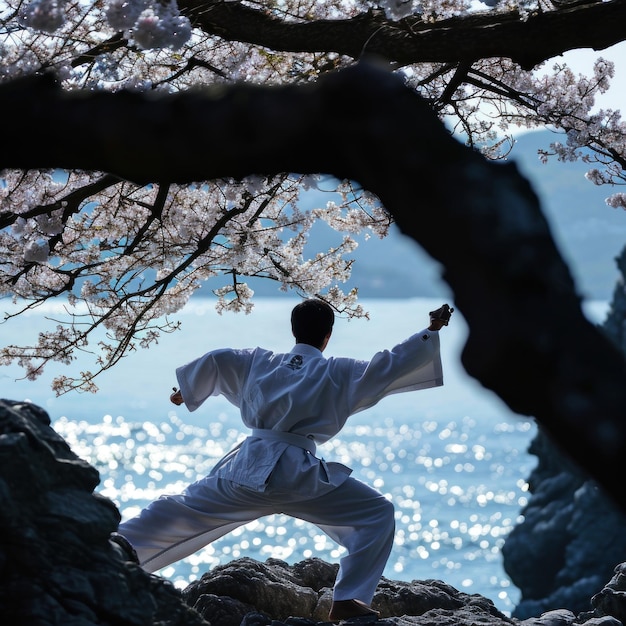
{"x":355,"y":515}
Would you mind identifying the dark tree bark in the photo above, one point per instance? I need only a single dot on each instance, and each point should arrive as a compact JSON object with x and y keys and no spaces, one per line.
{"x":529,"y":341}
{"x":585,"y":24}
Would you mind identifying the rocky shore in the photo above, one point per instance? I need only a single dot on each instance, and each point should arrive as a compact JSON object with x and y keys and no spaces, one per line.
{"x":59,"y":567}
{"x":570,"y":539}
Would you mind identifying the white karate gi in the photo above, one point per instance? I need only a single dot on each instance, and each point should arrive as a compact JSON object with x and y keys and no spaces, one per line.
{"x":291,"y":402}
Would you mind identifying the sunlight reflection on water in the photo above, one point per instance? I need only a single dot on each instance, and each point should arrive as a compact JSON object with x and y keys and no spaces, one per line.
{"x":453,"y":460}
{"x":455,"y":487}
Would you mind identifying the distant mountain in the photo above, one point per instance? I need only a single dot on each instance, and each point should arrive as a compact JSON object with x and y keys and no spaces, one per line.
{"x":588,"y":233}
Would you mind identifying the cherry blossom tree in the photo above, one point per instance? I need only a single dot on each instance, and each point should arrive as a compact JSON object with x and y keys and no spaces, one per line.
{"x":119,"y":196}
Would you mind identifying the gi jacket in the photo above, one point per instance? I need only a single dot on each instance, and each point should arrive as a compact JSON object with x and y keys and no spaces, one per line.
{"x":305,"y":395}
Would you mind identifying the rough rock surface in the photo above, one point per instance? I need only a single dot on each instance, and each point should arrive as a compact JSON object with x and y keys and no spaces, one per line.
{"x":570,"y":540}
{"x":59,"y":567}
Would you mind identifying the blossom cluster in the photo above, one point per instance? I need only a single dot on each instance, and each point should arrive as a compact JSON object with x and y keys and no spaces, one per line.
{"x":126,"y":273}
{"x":128,"y":257}
{"x":152,"y":23}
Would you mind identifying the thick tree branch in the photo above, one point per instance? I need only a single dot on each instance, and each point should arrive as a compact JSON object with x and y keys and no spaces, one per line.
{"x":529,"y":341}
{"x":542,"y":36}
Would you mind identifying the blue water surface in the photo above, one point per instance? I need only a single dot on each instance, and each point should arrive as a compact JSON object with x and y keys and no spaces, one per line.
{"x":453,"y":459}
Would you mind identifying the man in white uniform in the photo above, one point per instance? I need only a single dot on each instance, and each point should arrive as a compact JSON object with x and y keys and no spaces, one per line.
{"x":291,"y":402}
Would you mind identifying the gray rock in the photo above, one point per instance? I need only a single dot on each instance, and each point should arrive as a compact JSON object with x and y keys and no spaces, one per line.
{"x":612,"y":599}
{"x":57,"y":565}
{"x":571,"y":537}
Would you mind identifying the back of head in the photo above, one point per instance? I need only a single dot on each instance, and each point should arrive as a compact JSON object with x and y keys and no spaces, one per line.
{"x":311,"y":321}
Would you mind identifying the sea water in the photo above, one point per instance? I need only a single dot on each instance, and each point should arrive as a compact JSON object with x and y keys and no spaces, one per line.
{"x":453,"y":459}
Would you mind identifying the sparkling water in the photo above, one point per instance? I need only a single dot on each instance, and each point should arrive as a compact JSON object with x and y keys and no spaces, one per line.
{"x":453,"y":459}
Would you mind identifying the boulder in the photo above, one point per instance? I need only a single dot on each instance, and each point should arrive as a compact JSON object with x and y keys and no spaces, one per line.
{"x":570,"y":539}
{"x":57,"y":564}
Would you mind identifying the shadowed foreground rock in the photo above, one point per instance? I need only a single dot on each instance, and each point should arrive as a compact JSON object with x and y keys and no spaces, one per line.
{"x":56,"y":561}
{"x":571,"y":536}
{"x":248,"y":593}
{"x":572,"y":532}
{"x":58,"y":566}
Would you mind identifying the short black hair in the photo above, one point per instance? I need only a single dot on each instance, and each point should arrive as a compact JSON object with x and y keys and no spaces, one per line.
{"x":311,"y":321}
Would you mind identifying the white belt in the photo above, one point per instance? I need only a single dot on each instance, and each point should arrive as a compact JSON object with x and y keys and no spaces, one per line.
{"x":301,"y":441}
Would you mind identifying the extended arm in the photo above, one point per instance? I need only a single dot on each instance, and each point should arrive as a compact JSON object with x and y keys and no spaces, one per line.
{"x":411,"y":365}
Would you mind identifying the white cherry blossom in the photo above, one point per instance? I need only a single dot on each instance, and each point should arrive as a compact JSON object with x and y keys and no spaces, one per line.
{"x":126,"y":257}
